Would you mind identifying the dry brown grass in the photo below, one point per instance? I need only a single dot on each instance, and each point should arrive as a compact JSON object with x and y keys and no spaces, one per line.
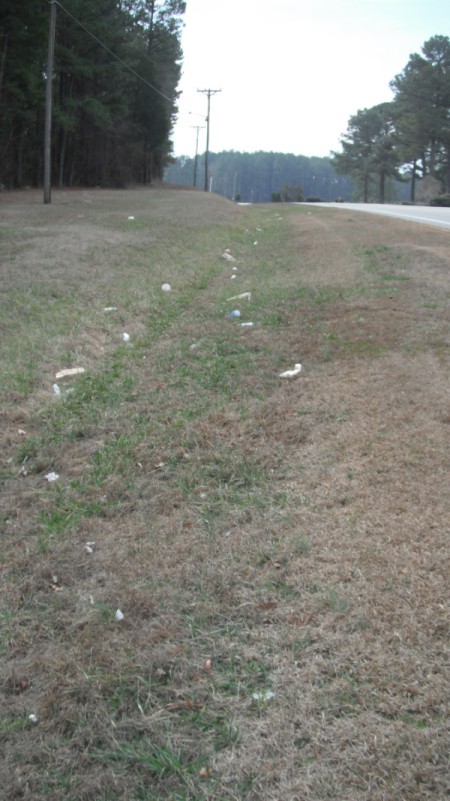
{"x":257,"y":535}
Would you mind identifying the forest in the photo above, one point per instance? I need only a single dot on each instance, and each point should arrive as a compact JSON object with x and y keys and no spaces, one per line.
{"x":116,"y":70}
{"x":117,"y":67}
{"x":263,"y":177}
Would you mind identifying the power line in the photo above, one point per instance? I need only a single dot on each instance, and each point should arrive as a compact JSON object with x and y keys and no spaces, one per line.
{"x":105,"y":47}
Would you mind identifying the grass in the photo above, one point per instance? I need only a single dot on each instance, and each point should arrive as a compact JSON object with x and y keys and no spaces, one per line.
{"x":259,"y":536}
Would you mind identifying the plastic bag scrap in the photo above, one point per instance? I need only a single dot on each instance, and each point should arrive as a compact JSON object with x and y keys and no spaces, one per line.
{"x":268,"y":695}
{"x":52,"y":476}
{"x":243,"y":295}
{"x":292,"y":373}
{"x":70,"y":371}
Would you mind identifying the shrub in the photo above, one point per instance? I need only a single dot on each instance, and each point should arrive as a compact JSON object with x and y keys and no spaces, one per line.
{"x":440,"y":200}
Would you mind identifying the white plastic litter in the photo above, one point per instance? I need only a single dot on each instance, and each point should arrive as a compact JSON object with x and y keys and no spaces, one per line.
{"x":119,"y":615}
{"x":234,"y":313}
{"x":126,"y":337}
{"x":234,"y":269}
{"x":57,"y":390}
{"x":228,"y":257}
{"x":52,"y":476}
{"x":233,"y":277}
{"x":255,"y":242}
{"x":166,"y":288}
{"x":131,"y":217}
{"x":32,"y":718}
{"x":292,"y":373}
{"x":110,"y":308}
{"x":246,"y":295}
{"x":88,"y":549}
{"x":247,"y":325}
{"x":268,"y":695}
{"x":69,"y":371}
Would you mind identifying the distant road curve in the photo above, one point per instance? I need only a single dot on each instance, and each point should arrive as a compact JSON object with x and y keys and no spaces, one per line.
{"x":437,"y":216}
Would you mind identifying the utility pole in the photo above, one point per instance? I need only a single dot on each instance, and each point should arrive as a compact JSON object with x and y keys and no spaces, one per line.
{"x":197,"y":128}
{"x":208,"y":93}
{"x":48,"y":105}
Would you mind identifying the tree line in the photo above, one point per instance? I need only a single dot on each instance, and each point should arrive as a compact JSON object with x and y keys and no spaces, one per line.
{"x":262,"y":177}
{"x":408,"y":138}
{"x":116,"y":70}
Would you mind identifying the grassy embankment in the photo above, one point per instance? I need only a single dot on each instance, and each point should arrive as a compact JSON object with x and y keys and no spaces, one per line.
{"x":274,"y":547}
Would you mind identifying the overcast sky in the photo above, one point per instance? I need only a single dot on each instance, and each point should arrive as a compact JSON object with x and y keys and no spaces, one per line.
{"x":292,"y":72}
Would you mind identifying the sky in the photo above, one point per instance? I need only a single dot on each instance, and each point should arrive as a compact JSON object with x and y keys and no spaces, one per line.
{"x":292,"y":72}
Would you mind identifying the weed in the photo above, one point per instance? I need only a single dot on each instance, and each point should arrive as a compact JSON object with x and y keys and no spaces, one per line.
{"x":335,"y":602}
{"x":146,"y":756}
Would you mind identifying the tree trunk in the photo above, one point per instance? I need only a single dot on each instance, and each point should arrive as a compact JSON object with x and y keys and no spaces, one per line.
{"x":366,"y":187}
{"x":412,"y":195}
{"x":447,"y":172}
{"x":432,"y":157}
{"x":19,"y":163}
{"x":2,"y":62}
{"x":62,"y":158}
{"x":381,"y":186}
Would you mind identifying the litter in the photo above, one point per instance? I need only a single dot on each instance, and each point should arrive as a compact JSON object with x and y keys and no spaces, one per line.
{"x":268,"y":695}
{"x":246,"y":295}
{"x":110,"y":308}
{"x":255,"y":242}
{"x":52,"y":476}
{"x":69,"y":371}
{"x":131,"y":217}
{"x":291,"y":373}
{"x":166,"y":288}
{"x":57,"y":390}
{"x":88,"y":549}
{"x":234,"y":269}
{"x":126,"y":337}
{"x":228,"y":257}
{"x":233,"y":277}
{"x":235,"y":313}
{"x":32,"y":718}
{"x":247,"y":325}
{"x":21,"y":432}
{"x":119,"y":615}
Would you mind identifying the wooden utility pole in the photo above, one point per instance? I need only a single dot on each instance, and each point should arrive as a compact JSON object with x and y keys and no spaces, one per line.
{"x":208,"y":93}
{"x":48,"y":105}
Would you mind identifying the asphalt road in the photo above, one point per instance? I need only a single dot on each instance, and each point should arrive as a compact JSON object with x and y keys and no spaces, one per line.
{"x":426,"y":215}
